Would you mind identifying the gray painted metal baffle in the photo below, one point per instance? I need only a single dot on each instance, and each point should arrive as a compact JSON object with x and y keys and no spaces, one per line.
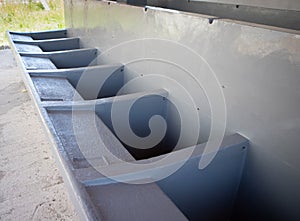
{"x":53,"y":65}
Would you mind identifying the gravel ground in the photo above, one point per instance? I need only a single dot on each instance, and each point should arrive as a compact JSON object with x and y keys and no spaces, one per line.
{"x":31,"y":187}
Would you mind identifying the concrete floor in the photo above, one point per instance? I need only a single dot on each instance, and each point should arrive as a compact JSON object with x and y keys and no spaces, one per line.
{"x":31,"y":187}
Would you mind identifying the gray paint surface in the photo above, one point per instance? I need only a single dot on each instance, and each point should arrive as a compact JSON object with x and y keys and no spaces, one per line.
{"x":259,"y":71}
{"x":134,"y":202}
{"x":42,"y":35}
{"x":28,"y":48}
{"x":216,"y":201}
{"x":74,"y":124}
{"x":21,"y":37}
{"x":51,"y":44}
{"x":54,"y":89}
{"x":66,"y":58}
{"x":32,"y":63}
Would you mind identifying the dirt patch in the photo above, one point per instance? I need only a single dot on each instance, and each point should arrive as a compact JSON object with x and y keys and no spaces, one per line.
{"x":12,"y":96}
{"x":31,"y":187}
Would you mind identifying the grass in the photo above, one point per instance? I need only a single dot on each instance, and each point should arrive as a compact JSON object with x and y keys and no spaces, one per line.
{"x":30,"y":17}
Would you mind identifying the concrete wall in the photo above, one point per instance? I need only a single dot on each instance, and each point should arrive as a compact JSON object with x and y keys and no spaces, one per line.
{"x":259,"y":74}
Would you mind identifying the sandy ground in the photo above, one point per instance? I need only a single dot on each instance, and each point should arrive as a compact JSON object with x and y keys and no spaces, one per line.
{"x":31,"y":187}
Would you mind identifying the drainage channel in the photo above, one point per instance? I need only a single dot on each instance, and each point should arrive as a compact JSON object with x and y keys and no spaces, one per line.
{"x":78,"y":116}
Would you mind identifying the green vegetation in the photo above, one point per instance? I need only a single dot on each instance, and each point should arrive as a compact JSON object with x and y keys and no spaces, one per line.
{"x":30,"y":17}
